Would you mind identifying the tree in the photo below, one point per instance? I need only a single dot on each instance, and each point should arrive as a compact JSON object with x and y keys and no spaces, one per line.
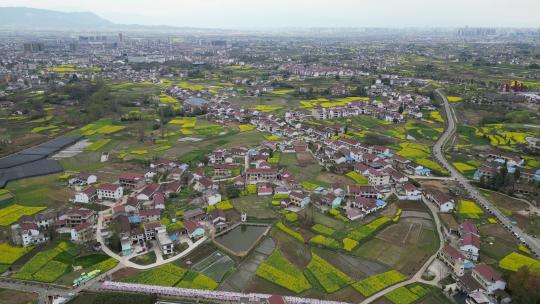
{"x":232,"y":191}
{"x":525,"y":286}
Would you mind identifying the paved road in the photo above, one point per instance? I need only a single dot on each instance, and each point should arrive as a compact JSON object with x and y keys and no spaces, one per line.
{"x":417,"y":278}
{"x":473,"y":192}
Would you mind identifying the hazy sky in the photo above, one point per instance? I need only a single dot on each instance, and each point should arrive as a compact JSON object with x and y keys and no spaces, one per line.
{"x":304,"y":13}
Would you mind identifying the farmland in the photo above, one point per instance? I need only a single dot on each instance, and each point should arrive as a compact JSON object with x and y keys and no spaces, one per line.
{"x":330,"y":278}
{"x":172,"y":275}
{"x":378,"y":282}
{"x":367,"y":230}
{"x":515,"y":261}
{"x":12,"y":213}
{"x":10,"y":253}
{"x":278,"y":270}
{"x":469,"y":209}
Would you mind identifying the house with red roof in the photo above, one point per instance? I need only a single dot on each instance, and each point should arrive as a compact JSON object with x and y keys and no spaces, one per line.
{"x":131,"y":180}
{"x":83,"y":233}
{"x":148,"y":192}
{"x":112,"y":192}
{"x":454,"y":259}
{"x":470,"y":246}
{"x":489,"y":278}
{"x":86,"y":196}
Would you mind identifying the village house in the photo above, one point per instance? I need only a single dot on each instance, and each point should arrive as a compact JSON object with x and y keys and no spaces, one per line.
{"x":299,"y":199}
{"x":490,"y":279}
{"x":109,"y":192}
{"x":86,"y":196}
{"x":196,"y":214}
{"x":159,"y":201}
{"x":442,"y":200}
{"x":211,"y":197}
{"x":363,"y":191}
{"x":171,"y":189}
{"x":72,"y":217}
{"x":454,"y":259}
{"x":83,"y":179}
{"x":130,"y":180}
{"x":150,"y":215}
{"x":409,"y":192}
{"x":164,"y":242}
{"x":258,"y":175}
{"x":27,"y":234}
{"x":148,"y":192}
{"x":194,"y":229}
{"x":378,"y":178}
{"x":83,"y":233}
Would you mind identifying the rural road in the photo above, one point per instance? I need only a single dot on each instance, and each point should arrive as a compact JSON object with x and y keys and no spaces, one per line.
{"x":417,"y":278}
{"x":473,"y":192}
{"x":124,"y":260}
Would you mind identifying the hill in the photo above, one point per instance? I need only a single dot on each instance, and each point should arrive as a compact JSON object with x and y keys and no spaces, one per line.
{"x":28,"y":18}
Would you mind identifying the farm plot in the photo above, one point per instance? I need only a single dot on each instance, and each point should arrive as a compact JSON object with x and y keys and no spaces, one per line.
{"x":42,"y":268}
{"x":215,"y":266}
{"x":406,"y":295}
{"x":325,"y":241}
{"x":358,"y":178}
{"x":514,"y":261}
{"x":98,"y":144}
{"x":367,"y":230}
{"x":9,"y":254}
{"x":281,"y":272}
{"x":11,"y":214}
{"x":378,"y":282}
{"x":469,"y":209}
{"x":323,"y":229}
{"x":197,"y":281}
{"x":463,"y":167}
{"x":165,"y":275}
{"x":327,"y":276}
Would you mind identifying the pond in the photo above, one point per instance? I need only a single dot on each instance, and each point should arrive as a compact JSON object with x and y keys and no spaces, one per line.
{"x":240,"y":239}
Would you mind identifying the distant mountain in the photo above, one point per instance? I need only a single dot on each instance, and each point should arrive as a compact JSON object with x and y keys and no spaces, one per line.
{"x":32,"y":18}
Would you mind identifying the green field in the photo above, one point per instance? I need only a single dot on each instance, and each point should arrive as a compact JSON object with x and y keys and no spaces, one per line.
{"x":327,"y":276}
{"x":279,"y":271}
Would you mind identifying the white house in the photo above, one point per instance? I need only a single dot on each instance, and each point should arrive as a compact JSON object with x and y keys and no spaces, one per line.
{"x":110,"y":192}
{"x":27,"y":234}
{"x":444,"y":201}
{"x":212,"y":197}
{"x":470,"y":246}
{"x":83,"y":179}
{"x":86,"y":196}
{"x":409,"y":192}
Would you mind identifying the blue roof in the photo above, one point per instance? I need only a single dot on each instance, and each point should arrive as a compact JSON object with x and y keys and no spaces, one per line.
{"x":380,"y":203}
{"x":537,"y":172}
{"x":134,"y":219}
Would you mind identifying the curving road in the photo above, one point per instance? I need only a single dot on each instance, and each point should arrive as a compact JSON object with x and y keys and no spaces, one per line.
{"x":417,"y":278}
{"x":533,"y":243}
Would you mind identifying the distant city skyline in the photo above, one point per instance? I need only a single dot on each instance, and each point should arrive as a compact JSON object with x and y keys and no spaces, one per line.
{"x":303,"y":13}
